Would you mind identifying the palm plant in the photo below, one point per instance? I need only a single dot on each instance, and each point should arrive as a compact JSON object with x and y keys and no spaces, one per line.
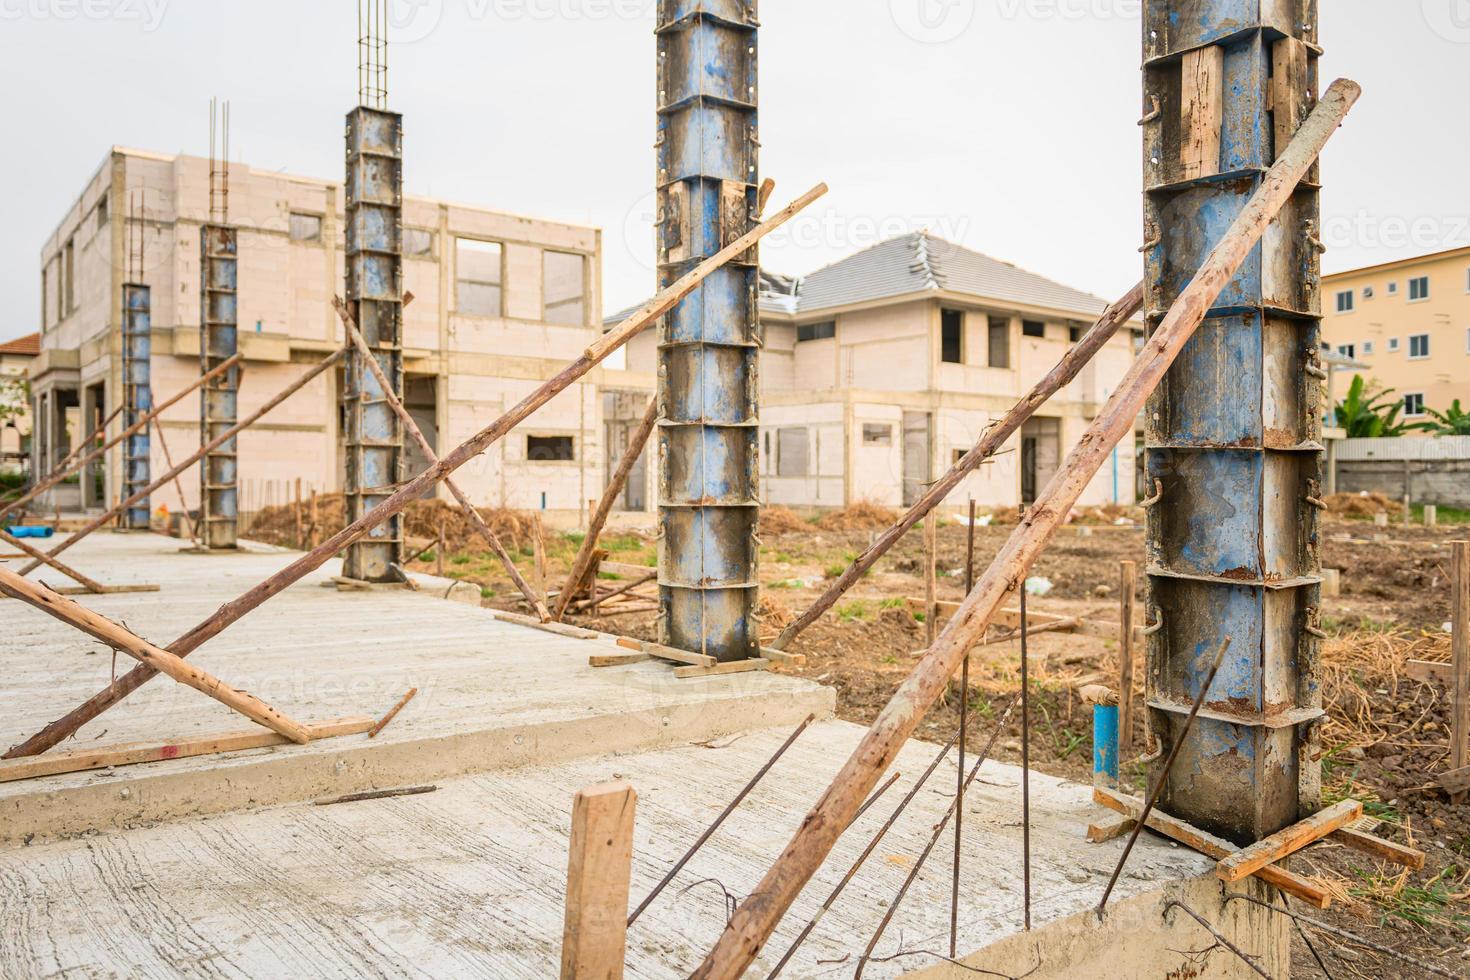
{"x":1371,"y":416}
{"x":1453,"y":422}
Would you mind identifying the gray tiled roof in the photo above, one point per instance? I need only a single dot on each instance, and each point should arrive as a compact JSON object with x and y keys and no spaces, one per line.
{"x":914,"y":263}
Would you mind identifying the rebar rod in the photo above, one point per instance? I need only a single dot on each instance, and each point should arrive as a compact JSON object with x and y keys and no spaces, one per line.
{"x":1248,"y":960}
{"x":1351,"y":937}
{"x":959,"y":819}
{"x":1025,"y":768}
{"x":729,"y":809}
{"x":1153,"y":798}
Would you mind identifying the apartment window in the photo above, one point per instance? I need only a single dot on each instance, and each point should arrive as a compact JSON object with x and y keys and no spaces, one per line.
{"x":877,"y":434}
{"x":102,"y":211}
{"x":1414,"y":404}
{"x":955,"y":455}
{"x":1367,"y":348}
{"x":952,"y":337}
{"x":478,"y":277}
{"x":1347,"y":350}
{"x":1467,"y":340}
{"x":1367,"y":292}
{"x":825,"y":330}
{"x":1393,"y":345}
{"x":564,"y":288}
{"x":557,"y":449}
{"x":1467,"y":280}
{"x":999,"y":339}
{"x":1418,"y":289}
{"x":1074,"y":332}
{"x":1418,"y":346}
{"x":1033,"y":328}
{"x":1393,"y":289}
{"x":791,"y":452}
{"x":306,"y":227}
{"x":45,"y":295}
{"x":418,"y":243}
{"x":1345,"y":301}
{"x":69,"y":295}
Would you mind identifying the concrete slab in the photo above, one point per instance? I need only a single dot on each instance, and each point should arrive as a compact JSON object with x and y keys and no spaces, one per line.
{"x":469,"y":880}
{"x":491,"y":694}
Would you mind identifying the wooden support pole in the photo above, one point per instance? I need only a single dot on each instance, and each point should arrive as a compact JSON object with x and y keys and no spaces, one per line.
{"x":133,"y":429}
{"x":758,"y":916}
{"x":203,"y":451}
{"x":120,"y":638}
{"x":231,"y":612}
{"x":91,"y":586}
{"x":594,"y":935}
{"x":168,"y":459}
{"x":1460,"y":658}
{"x":316,"y":521}
{"x":931,"y":568}
{"x":1284,"y":843}
{"x":412,"y":428}
{"x":89,"y":440}
{"x":439,"y":551}
{"x":1128,"y":585}
{"x":989,"y":444}
{"x":299,"y":516}
{"x":598,"y":518}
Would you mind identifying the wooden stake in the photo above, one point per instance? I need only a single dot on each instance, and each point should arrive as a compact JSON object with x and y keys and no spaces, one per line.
{"x":755,"y":920}
{"x":300,"y":522}
{"x":439,"y":551}
{"x":931,"y":559}
{"x":61,"y":729}
{"x":120,"y":638}
{"x":538,"y":559}
{"x":1286,"y":842}
{"x":168,"y":460}
{"x":203,"y":451}
{"x":598,"y":517}
{"x":133,"y":429}
{"x":1127,"y":584}
{"x":1460,"y":658}
{"x":134,"y":753}
{"x":599,"y":870}
{"x":316,"y":524}
{"x":991,"y":442}
{"x":392,"y":713}
{"x":417,"y":434}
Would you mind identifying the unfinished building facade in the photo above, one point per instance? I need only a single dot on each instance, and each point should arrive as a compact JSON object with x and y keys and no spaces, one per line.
{"x":498,"y":299}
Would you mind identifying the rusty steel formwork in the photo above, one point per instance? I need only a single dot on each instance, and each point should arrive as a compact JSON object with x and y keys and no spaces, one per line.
{"x":137,"y":351}
{"x":373,"y":434}
{"x":1234,"y":453}
{"x":219,"y":487}
{"x":708,"y":167}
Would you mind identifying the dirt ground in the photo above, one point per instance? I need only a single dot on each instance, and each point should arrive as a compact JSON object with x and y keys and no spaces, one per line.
{"x":1386,"y":738}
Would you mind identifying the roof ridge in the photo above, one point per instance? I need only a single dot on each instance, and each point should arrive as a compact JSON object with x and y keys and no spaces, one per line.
{"x":925,"y":263}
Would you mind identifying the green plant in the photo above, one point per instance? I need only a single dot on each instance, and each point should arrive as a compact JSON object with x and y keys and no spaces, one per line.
{"x":894,"y":603}
{"x":461,"y":560}
{"x":855,"y":611}
{"x":1454,"y":421}
{"x":1368,"y":414}
{"x":487,"y":593}
{"x":15,"y":396}
{"x":834,"y":571}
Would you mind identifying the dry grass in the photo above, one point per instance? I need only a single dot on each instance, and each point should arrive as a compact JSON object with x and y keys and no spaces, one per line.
{"x":1359,"y":663}
{"x":781,"y":520}
{"x":516,"y":529}
{"x":1362,"y":504}
{"x":861,"y":516}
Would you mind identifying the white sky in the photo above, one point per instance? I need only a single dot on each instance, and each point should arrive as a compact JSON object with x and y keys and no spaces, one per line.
{"x":1005,"y":125}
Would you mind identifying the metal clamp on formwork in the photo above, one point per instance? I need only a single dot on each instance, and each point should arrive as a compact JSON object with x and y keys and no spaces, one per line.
{"x":1155,"y":112}
{"x":1150,"y":502}
{"x":1153,"y":629}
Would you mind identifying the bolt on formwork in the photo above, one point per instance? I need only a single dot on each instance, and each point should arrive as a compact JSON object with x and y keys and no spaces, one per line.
{"x":1233,"y":435}
{"x":374,"y":212}
{"x":219,"y":483}
{"x":708,"y":171}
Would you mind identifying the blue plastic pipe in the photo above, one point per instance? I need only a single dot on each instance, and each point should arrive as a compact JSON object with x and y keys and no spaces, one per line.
{"x":31,"y":531}
{"x":1105,"y":745}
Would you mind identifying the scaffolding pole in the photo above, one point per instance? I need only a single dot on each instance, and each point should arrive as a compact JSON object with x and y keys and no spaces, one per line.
{"x":1236,"y":464}
{"x":708,"y":196}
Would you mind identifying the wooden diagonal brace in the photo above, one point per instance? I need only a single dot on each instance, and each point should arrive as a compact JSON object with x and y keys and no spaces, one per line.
{"x":231,"y":612}
{"x":94,"y":587}
{"x":354,"y":336}
{"x":1284,"y":843}
{"x":157,"y":658}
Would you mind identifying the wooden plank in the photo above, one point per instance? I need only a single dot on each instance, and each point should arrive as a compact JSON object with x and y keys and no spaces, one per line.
{"x":1202,"y":111}
{"x":678,"y":656}
{"x":782,"y":657}
{"x":1288,"y":89}
{"x":624,"y":570}
{"x":1127,"y":586}
{"x":560,"y":629}
{"x":616,"y":659}
{"x":1211,"y":846}
{"x":1286,"y":842}
{"x":734,"y":667}
{"x":1430,"y":670}
{"x":1110,"y":827}
{"x":599,"y":871}
{"x":135,"y":753}
{"x":1378,"y":847}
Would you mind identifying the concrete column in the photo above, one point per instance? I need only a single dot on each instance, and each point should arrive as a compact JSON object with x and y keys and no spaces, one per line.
{"x":1233,"y":541}
{"x":137,"y":340}
{"x":708,"y":170}
{"x":219,"y":339}
{"x":374,"y":436}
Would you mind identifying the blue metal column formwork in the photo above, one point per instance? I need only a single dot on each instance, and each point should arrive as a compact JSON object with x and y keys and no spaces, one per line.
{"x":707,"y":383}
{"x":219,"y":493}
{"x":137,"y":350}
{"x":374,"y":435}
{"x":1234,"y":454}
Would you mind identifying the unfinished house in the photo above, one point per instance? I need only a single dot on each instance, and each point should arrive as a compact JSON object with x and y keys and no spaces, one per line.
{"x":497,"y":300}
{"x":878,"y":372}
{"x":15,"y":419}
